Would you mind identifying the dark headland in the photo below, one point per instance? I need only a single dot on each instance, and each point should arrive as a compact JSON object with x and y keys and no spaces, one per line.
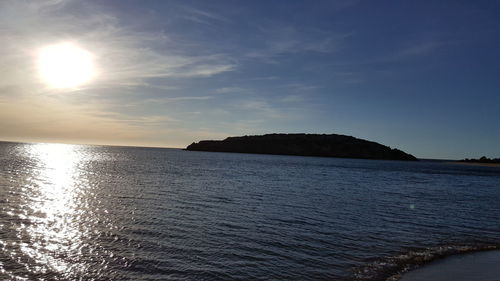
{"x":331,"y":145}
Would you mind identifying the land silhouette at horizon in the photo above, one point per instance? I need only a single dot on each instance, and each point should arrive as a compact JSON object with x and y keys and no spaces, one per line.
{"x":323,"y":145}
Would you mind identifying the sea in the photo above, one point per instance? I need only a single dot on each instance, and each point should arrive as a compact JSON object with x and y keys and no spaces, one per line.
{"x":79,"y":212}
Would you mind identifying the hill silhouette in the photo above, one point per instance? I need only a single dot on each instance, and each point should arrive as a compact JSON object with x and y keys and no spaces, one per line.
{"x":325,"y":145}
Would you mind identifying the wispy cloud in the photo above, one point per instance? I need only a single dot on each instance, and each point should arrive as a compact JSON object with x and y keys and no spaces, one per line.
{"x":349,"y":77}
{"x":201,"y":16}
{"x":266,"y":109}
{"x":280,"y":39}
{"x":415,"y":50}
{"x":130,"y":60}
{"x":229,"y":90}
{"x":176,"y":99}
{"x":124,"y":57}
{"x":357,"y":72}
{"x":422,"y":48}
{"x":300,"y":87}
{"x":410,"y":51}
{"x":292,"y":99}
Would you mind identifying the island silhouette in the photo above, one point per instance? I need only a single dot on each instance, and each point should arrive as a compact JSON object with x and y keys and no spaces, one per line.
{"x":323,"y":145}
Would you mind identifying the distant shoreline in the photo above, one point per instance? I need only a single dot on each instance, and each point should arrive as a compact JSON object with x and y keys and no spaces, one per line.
{"x":476,"y":164}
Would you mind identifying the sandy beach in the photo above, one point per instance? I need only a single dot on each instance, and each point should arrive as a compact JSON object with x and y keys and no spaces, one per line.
{"x":479,"y":266}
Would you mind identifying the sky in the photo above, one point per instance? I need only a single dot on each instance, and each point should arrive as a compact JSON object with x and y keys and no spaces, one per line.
{"x":421,"y":76}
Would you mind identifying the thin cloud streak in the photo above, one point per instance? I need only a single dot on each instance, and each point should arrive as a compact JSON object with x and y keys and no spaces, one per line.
{"x":127,"y":59}
{"x":124,"y":57}
{"x":280,"y":39}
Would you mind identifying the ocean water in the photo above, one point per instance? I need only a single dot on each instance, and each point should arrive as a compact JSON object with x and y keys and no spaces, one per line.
{"x":75,"y":212}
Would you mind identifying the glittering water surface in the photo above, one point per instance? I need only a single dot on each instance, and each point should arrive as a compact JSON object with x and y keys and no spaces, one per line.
{"x":74,"y":212}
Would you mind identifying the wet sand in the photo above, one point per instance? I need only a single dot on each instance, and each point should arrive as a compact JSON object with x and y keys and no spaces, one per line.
{"x":479,"y":266}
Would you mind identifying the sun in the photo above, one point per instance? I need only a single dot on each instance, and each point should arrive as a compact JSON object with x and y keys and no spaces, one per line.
{"x":65,"y":65}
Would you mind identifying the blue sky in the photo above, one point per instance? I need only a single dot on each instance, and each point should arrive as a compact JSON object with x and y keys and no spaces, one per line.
{"x":422,"y":76}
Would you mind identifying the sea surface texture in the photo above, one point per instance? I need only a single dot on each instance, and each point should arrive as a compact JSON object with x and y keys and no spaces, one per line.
{"x":75,"y":212}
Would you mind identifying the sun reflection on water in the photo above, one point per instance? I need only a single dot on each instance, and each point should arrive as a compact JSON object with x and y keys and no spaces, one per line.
{"x":54,"y":232}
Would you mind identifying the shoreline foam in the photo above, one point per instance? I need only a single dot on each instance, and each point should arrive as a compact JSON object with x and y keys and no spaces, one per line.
{"x":392,"y":268}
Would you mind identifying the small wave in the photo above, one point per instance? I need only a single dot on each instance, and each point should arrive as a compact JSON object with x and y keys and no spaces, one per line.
{"x":392,"y":268}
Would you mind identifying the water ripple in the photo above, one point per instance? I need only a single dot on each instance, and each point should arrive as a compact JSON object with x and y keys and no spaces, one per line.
{"x":71,"y":212}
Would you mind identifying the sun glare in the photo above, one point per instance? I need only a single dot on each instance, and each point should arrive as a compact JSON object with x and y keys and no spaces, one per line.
{"x":65,"y":65}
